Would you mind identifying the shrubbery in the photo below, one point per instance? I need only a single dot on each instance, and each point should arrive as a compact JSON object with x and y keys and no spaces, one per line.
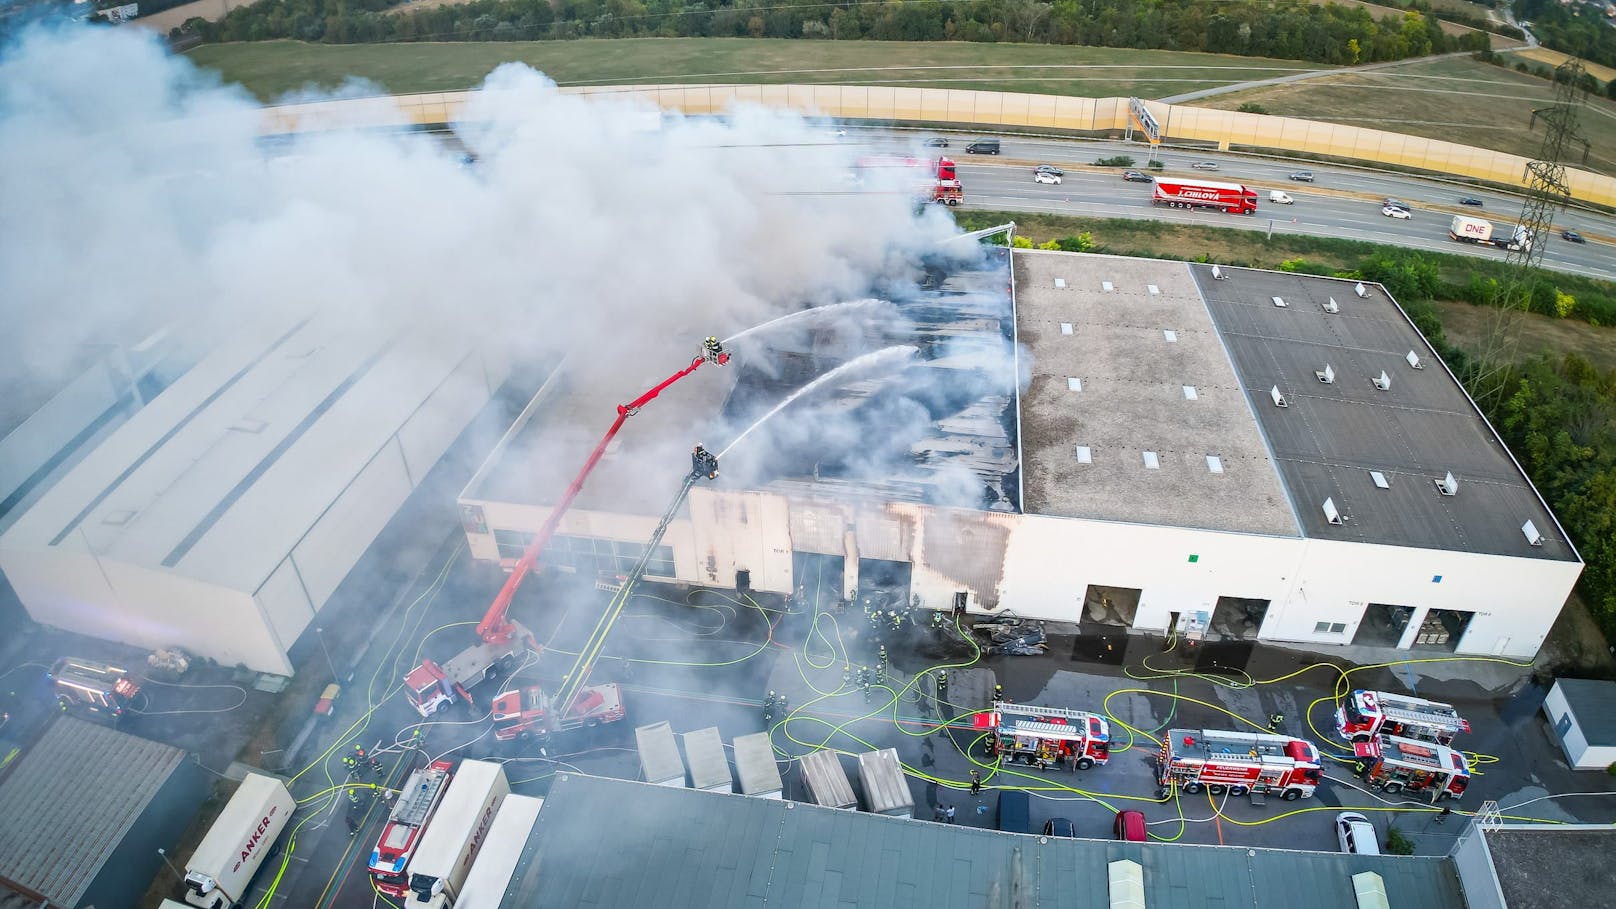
{"x":1115,"y":161}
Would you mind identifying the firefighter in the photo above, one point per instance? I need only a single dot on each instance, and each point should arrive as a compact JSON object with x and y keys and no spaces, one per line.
{"x":1275,"y":720}
{"x":998,"y":692}
{"x":976,"y":783}
{"x":703,"y":463}
{"x":350,"y":762}
{"x":768,"y":707}
{"x":712,"y":351}
{"x":942,"y":684}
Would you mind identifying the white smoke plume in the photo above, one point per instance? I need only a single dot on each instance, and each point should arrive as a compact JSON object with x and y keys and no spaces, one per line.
{"x":138,"y":193}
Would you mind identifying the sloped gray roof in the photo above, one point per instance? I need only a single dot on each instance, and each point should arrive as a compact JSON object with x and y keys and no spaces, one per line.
{"x":1594,"y":703}
{"x":67,"y":803}
{"x":608,"y":843}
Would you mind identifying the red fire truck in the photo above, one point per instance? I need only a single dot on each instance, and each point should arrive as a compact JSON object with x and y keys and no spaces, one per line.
{"x":1230,"y":197}
{"x":1046,"y":737}
{"x":1366,"y":714}
{"x":1393,"y":764}
{"x":528,"y":711}
{"x":1238,"y":763}
{"x":417,"y":802}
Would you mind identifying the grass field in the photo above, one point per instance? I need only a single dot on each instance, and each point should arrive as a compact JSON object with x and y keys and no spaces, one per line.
{"x":1555,"y":58}
{"x":273,"y":68}
{"x":1457,"y":99}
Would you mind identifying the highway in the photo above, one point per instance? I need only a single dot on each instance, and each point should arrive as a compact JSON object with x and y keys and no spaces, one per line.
{"x":999,"y":184}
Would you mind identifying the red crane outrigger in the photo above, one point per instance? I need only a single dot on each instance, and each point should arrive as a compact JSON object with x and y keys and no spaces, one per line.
{"x":430,"y":686}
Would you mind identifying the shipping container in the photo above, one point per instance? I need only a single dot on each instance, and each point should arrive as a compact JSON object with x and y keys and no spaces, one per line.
{"x":755,"y":765}
{"x":659,"y":755}
{"x":709,"y":765}
{"x":886,"y":789}
{"x":826,"y":781}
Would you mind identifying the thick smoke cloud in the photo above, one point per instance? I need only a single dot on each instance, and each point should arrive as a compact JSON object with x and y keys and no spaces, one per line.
{"x":138,"y":193}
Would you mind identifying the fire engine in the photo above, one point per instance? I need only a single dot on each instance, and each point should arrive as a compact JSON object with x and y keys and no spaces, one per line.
{"x":1046,"y":737}
{"x":94,"y":688}
{"x":528,"y":711}
{"x":417,"y":802}
{"x":1393,"y":764}
{"x":1366,"y":714}
{"x":1238,"y":763}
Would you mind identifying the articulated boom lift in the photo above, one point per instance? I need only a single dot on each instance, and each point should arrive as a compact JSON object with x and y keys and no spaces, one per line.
{"x":503,"y":640}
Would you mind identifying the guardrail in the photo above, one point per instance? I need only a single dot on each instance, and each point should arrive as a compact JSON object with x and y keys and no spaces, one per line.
{"x":987,"y":109}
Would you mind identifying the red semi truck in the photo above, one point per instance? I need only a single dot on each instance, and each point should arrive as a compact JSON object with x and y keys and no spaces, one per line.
{"x":1230,"y":197}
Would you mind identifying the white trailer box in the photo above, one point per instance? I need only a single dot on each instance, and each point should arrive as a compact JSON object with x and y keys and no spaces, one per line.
{"x":659,"y":755}
{"x":496,"y":862}
{"x":826,"y":781}
{"x":224,"y":863}
{"x":754,"y":764}
{"x":709,"y":765}
{"x":886,"y":789}
{"x":455,"y":834}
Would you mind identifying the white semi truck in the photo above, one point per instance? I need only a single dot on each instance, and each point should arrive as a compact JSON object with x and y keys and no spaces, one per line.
{"x":1466,"y":229}
{"x":458,"y":830}
{"x":223,"y":865}
{"x":496,"y":862}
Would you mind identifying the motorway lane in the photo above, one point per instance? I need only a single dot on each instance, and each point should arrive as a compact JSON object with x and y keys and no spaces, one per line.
{"x":991,"y":185}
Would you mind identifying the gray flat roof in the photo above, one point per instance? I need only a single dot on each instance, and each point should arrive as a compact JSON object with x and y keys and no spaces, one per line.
{"x":1594,"y":704}
{"x":1132,"y":400}
{"x":674,"y":847}
{"x":1331,"y":436}
{"x":220,"y":476}
{"x":1549,"y":867}
{"x":69,"y":800}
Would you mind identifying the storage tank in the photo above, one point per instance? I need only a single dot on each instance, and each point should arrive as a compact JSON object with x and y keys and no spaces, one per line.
{"x":886,"y":789}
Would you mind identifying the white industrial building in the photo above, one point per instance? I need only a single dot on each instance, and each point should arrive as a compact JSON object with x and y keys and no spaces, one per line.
{"x":222,"y":515}
{"x":1235,"y":453}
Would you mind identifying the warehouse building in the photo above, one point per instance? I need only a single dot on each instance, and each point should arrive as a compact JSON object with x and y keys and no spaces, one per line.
{"x":222,"y":515}
{"x":83,"y":813}
{"x":767,"y":852}
{"x":1230,"y":453}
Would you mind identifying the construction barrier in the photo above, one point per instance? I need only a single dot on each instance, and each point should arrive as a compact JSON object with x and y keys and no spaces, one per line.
{"x":990,"y":110}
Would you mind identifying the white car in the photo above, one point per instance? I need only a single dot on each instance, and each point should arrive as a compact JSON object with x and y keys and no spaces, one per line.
{"x":1045,"y":176}
{"x":1392,"y":211}
{"x":1205,"y":165}
{"x":1355,"y":834}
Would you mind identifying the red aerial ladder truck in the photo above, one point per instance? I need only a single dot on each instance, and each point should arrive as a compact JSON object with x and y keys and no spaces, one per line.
{"x":1046,"y":737}
{"x":1366,"y":714}
{"x":1238,"y":763}
{"x":432,"y":686}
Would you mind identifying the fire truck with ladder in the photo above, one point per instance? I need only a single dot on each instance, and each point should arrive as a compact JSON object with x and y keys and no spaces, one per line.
{"x":504,"y":643}
{"x":1046,"y":737}
{"x":948,"y":189}
{"x":1238,"y":763}
{"x":417,"y":802}
{"x":1393,"y":764}
{"x":1366,"y":714}
{"x":528,"y":711}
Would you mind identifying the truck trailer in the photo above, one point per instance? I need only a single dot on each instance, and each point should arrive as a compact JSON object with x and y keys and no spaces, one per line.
{"x":496,"y":862}
{"x":229,"y":855}
{"x":1233,"y":198}
{"x":458,"y":831}
{"x":1466,"y":229}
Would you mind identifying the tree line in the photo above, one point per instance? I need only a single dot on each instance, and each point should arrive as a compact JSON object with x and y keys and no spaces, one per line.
{"x":1577,"y":30}
{"x":1286,"y":29}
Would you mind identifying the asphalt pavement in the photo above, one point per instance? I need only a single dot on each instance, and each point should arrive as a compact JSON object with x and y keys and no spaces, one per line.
{"x":991,"y":182}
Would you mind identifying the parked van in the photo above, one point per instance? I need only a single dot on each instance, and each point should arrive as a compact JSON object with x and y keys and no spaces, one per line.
{"x":1015,"y":813}
{"x":983,"y":147}
{"x":1281,"y":198}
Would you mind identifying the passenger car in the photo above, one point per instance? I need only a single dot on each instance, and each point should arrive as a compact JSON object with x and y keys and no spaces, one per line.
{"x":1355,"y":834}
{"x":1133,"y":176}
{"x":1392,"y":211}
{"x":1205,"y":165}
{"x":1471,"y":200}
{"x":1049,"y":169}
{"x":1129,"y":826}
{"x":1572,"y":236}
{"x":1045,"y":176}
{"x":1303,"y":176}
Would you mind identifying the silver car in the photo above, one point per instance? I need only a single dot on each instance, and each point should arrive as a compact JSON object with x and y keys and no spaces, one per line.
{"x":1355,"y":834}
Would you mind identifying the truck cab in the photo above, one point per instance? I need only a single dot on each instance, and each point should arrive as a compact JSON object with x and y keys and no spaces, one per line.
{"x":86,"y":686}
